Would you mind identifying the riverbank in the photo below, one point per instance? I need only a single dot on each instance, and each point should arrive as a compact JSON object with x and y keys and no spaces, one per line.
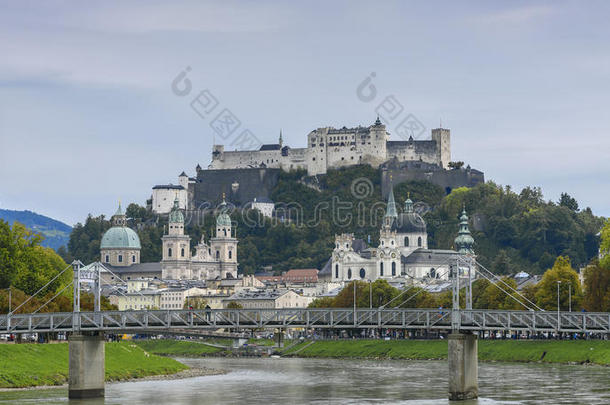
{"x":29,"y":365}
{"x":525,"y":351}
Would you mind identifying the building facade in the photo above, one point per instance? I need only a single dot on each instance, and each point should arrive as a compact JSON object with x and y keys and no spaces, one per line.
{"x":216,"y":259}
{"x":333,"y":148}
{"x":402,"y":252}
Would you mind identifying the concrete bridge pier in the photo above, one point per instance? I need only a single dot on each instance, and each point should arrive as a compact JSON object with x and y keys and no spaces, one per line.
{"x":463,"y":366}
{"x":86,"y":366}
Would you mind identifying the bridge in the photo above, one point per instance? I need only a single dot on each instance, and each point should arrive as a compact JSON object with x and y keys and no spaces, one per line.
{"x":143,"y":321}
{"x":87,"y":329}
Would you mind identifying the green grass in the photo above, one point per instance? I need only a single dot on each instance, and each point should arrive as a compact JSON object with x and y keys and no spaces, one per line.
{"x":178,"y":348}
{"x":596,"y":351}
{"x":26,"y":365}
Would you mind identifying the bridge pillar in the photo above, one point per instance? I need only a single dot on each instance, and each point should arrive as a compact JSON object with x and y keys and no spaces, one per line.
{"x":86,"y":366}
{"x":463,"y":366}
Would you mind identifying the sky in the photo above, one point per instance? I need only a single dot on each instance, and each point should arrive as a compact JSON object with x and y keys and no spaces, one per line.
{"x":89,"y":114}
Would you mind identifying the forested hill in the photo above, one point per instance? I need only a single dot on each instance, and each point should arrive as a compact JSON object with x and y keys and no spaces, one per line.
{"x":513,"y":231}
{"x":55,"y":233}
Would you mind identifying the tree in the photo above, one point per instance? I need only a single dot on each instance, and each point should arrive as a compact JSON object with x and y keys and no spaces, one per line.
{"x":604,"y":247}
{"x":567,"y":201}
{"x":597,"y":288}
{"x":196,"y":303}
{"x":456,"y":165}
{"x":26,"y":265}
{"x":234,"y":305}
{"x":546,"y":294}
{"x":501,"y":264}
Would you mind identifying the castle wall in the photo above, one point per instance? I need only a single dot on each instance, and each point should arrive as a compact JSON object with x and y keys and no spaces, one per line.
{"x":401,"y":172}
{"x":239,"y":185}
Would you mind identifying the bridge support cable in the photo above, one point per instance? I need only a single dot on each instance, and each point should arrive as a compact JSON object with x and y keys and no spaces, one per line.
{"x":55,"y":296}
{"x":499,"y":279}
{"x":39,"y":290}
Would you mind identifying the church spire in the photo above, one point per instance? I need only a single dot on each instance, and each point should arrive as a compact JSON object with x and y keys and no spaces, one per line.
{"x":119,"y":218}
{"x":464,"y":241}
{"x":409,"y":204}
{"x":281,"y":140}
{"x":391,"y":209}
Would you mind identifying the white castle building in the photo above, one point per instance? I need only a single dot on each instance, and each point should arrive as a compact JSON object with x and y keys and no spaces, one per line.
{"x":402,"y":252}
{"x":332,"y":148}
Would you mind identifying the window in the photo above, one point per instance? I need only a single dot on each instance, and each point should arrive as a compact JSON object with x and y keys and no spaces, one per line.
{"x":133,"y":258}
{"x":230,"y":254}
{"x":225,"y":231}
{"x":393,"y":268}
{"x":120,"y":258}
{"x":381,"y":269}
{"x":406,"y":241}
{"x":362,"y":273}
{"x":349,"y":274}
{"x":107,"y":259}
{"x":336,"y":271}
{"x":182,"y":252}
{"x":392,"y":243}
{"x":419,"y":241}
{"x":169,"y":252}
{"x":217,"y":254}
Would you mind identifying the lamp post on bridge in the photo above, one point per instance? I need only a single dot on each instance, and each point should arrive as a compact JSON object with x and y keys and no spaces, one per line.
{"x":558,"y":316}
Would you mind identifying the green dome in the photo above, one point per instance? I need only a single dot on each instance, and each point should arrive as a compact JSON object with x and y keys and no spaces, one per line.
{"x":120,"y":237}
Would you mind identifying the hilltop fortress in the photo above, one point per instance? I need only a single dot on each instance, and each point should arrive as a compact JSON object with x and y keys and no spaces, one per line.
{"x":333,"y":148}
{"x":248,"y":177}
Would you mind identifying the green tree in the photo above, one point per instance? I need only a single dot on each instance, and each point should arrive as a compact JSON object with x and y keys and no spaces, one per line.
{"x":234,"y":305}
{"x":568,"y":201}
{"x":546,"y":294}
{"x":26,"y":265}
{"x":597,"y":288}
{"x":604,"y":247}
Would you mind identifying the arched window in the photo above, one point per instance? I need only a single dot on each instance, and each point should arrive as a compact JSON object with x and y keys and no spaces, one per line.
{"x":224,"y":230}
{"x":107,"y":259}
{"x":182,"y":252}
{"x":120,"y":258}
{"x":217,"y":254}
{"x":362,"y":273}
{"x":392,"y":243}
{"x":419,"y":241}
{"x":230,"y":254}
{"x":133,"y":258}
{"x":393,"y":268}
{"x":381,"y":269}
{"x":406,"y":241}
{"x":382,"y":243}
{"x":349,"y":274}
{"x":169,"y":252}
{"x":336,"y":271}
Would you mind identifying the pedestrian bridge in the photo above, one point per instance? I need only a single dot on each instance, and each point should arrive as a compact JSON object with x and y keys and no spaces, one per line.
{"x":336,"y":318}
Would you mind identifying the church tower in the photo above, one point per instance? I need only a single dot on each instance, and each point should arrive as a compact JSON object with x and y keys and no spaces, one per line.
{"x":464,"y":241}
{"x":224,"y":246}
{"x":387,"y":252}
{"x":176,"y":247}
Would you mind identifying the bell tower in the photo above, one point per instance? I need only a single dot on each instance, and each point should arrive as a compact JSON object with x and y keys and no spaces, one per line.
{"x":224,"y":246}
{"x":176,"y":247}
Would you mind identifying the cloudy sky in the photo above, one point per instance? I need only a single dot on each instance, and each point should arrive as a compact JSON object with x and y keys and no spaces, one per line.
{"x":88,"y":115}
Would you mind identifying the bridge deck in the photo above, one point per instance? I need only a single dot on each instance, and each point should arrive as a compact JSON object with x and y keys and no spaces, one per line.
{"x":149,"y":320}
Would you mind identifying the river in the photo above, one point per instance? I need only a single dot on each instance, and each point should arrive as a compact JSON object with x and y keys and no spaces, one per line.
{"x":328,"y":381}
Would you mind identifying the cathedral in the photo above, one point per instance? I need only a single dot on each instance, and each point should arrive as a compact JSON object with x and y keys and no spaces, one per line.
{"x":120,"y":250}
{"x":402,"y":252}
{"x":218,"y":258}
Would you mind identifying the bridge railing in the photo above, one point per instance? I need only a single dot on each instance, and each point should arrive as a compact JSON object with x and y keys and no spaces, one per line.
{"x":335,"y":318}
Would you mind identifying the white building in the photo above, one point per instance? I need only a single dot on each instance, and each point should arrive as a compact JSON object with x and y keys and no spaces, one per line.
{"x":264,"y":205}
{"x":216,"y":259}
{"x":260,"y":299}
{"x":331,"y":148}
{"x":402,"y":252}
{"x":163,"y":195}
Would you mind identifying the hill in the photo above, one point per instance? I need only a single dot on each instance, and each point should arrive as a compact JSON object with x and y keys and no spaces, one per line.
{"x":513,"y":231}
{"x":55,"y":233}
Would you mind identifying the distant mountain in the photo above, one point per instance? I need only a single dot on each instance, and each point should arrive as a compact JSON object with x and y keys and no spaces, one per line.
{"x":55,"y":233}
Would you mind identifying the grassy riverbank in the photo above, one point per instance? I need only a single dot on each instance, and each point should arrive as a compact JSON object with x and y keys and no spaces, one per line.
{"x":595,"y":351}
{"x":27,"y":365}
{"x":178,"y":348}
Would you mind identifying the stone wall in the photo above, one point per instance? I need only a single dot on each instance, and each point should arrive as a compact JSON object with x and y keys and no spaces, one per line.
{"x":401,"y":172}
{"x":239,"y":185}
